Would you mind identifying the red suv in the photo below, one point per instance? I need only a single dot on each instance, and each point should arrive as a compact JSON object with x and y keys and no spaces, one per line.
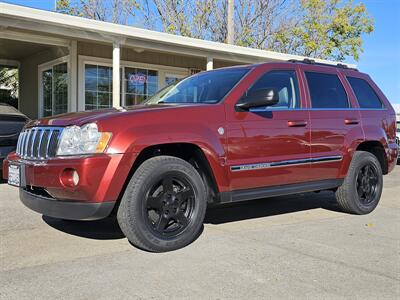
{"x":221,"y":136}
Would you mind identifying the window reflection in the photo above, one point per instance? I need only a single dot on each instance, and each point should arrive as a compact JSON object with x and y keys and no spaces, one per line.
{"x":139,"y":85}
{"x":55,"y":90}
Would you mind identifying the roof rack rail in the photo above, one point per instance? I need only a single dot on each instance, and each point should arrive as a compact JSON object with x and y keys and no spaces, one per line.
{"x":313,"y":62}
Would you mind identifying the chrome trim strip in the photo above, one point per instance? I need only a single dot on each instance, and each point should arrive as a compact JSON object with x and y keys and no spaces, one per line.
{"x":24,"y":151}
{"x":40,"y":142}
{"x":293,"y":162}
{"x":48,"y":142}
{"x":19,"y":143}
{"x":34,"y":134}
{"x":28,"y":132}
{"x":21,"y":147}
{"x":271,"y":109}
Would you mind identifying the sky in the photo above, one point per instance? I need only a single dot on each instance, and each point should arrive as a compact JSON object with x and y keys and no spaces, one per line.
{"x":381,"y":56}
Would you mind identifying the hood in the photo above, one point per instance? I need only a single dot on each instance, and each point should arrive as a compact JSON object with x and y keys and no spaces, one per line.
{"x":83,"y":117}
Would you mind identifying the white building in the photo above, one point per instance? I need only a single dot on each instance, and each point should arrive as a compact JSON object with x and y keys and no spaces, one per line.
{"x":67,"y":63}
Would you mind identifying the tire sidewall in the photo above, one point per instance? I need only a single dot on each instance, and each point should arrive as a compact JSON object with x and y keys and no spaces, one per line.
{"x":135,"y":202}
{"x":360,"y":160}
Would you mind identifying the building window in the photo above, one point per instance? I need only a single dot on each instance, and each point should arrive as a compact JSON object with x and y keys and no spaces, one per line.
{"x":139,"y":85}
{"x":55,"y":90}
{"x":172,"y":78}
{"x":98,"y":87}
{"x":138,"y":82}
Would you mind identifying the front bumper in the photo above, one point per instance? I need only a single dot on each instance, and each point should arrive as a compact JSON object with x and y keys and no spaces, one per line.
{"x":101,"y":177}
{"x":70,"y":210}
{"x":101,"y":181}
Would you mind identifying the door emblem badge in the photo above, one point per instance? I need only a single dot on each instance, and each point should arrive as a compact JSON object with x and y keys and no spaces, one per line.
{"x":221,"y":130}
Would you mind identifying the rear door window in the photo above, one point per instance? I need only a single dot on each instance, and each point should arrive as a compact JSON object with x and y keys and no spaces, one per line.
{"x":326,"y":91}
{"x":366,"y":96}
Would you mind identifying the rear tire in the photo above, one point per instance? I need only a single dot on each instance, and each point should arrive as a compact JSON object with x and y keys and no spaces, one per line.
{"x":164,"y":205}
{"x":362,"y":188}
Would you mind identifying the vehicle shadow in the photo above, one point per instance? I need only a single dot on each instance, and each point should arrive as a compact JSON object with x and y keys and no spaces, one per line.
{"x":108,"y":229}
{"x":105,"y":229}
{"x":270,"y":207}
{"x":2,"y":181}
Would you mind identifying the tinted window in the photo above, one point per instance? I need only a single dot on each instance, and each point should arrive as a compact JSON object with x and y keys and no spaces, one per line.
{"x":285,"y":83}
{"x":326,"y":91}
{"x":205,"y":87}
{"x":365,"y":95}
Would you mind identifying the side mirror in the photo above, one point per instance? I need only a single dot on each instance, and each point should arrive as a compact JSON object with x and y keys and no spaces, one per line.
{"x":259,"y":98}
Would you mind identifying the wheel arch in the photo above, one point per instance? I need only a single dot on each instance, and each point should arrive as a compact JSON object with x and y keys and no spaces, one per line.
{"x":377,"y":149}
{"x":205,"y":162}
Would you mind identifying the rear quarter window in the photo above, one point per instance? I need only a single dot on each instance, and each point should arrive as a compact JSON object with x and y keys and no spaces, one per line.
{"x":326,"y":91}
{"x":365,"y":94}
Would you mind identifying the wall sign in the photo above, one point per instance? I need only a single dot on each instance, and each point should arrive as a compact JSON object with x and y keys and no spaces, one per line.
{"x":138,"y":78}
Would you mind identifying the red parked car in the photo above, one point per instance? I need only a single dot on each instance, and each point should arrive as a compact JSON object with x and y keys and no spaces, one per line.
{"x":221,"y":136}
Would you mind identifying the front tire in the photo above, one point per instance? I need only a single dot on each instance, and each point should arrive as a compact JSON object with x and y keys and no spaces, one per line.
{"x":164,"y":205}
{"x":362,"y":188}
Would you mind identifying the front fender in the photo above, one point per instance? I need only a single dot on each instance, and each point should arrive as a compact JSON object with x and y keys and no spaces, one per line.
{"x":182,"y":128}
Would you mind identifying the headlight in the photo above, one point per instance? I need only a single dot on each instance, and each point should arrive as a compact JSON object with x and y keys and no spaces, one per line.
{"x":87,"y":139}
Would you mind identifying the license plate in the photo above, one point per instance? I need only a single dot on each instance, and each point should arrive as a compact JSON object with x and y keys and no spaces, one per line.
{"x":14,"y":175}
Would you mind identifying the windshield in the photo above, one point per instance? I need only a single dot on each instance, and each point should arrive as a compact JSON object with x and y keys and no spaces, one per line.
{"x":208,"y":87}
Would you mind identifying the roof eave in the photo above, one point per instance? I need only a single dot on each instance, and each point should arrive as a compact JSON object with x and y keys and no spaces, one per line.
{"x":122,"y":33}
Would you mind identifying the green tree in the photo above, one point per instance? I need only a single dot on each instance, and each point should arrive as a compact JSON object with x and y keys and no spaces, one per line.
{"x":326,"y":29}
{"x":9,"y":80}
{"x":9,"y":85}
{"x":115,"y":11}
{"x":330,"y":29}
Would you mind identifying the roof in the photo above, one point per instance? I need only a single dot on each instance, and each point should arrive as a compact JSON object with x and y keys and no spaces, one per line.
{"x":78,"y":27}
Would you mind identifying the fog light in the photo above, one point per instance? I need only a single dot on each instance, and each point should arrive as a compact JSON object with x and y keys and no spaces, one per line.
{"x":69,"y":178}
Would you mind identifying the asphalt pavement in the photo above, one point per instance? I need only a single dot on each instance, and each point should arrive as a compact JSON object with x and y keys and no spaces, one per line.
{"x":283,"y":248}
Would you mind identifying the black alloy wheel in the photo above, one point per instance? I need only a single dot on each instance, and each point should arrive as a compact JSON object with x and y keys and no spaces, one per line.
{"x":362,"y":188}
{"x":169,"y":205}
{"x":164,"y":205}
{"x":367,"y":183}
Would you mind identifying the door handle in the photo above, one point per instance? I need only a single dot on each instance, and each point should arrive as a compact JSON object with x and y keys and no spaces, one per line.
{"x":351,"y":121}
{"x":301,"y":123}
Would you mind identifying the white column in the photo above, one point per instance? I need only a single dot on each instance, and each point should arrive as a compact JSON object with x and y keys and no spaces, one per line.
{"x":73,"y":76}
{"x":116,"y":78}
{"x":210,"y":63}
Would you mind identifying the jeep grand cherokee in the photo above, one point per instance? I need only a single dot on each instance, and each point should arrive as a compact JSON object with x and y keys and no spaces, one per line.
{"x":222,"y":136}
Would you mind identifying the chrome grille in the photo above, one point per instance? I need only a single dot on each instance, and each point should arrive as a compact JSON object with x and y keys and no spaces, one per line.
{"x":38,"y":142}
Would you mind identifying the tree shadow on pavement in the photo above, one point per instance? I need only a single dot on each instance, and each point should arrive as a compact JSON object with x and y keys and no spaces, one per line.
{"x":108,"y":229}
